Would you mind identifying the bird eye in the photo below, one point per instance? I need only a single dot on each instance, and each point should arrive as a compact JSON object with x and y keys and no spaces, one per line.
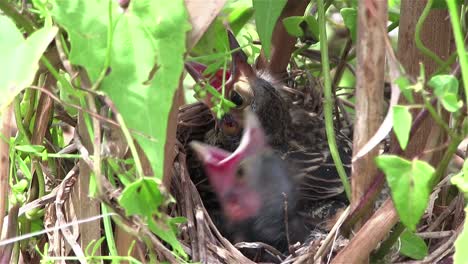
{"x":236,"y":98}
{"x":241,"y":94}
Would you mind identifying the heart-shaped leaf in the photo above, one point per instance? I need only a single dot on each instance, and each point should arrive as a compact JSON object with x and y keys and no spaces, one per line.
{"x":409,"y":183}
{"x":413,"y":246}
{"x":446,"y":89}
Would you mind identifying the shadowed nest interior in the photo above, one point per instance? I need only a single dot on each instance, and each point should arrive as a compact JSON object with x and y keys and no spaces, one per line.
{"x":201,"y":235}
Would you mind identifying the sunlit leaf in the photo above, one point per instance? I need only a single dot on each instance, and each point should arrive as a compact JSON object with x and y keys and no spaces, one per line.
{"x":30,"y":148}
{"x":405,"y":88}
{"x":413,"y":246}
{"x":239,"y":16}
{"x":446,"y":89}
{"x":402,"y":119}
{"x":461,"y":179}
{"x":443,"y":84}
{"x":19,"y":57}
{"x":214,"y":41}
{"x":409,"y":183}
{"x":451,"y":103}
{"x":266,"y":15}
{"x":148,"y":34}
{"x":20,"y":186}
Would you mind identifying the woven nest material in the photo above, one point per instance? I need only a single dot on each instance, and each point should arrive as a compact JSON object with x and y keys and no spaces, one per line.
{"x":206,"y":243}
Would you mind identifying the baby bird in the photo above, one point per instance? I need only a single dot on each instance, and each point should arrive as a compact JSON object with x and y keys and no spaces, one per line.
{"x":255,"y":189}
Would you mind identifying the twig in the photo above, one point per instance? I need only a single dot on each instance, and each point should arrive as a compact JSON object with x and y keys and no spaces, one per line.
{"x":60,"y":198}
{"x":6,"y":130}
{"x":333,"y":233}
{"x":443,"y":249}
{"x":286,"y":221}
{"x":443,"y":215}
{"x":432,"y":235}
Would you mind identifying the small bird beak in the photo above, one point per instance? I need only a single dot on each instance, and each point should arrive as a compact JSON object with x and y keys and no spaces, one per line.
{"x":195,"y":70}
{"x":240,"y":66}
{"x":253,"y":140}
{"x":238,"y":201}
{"x":218,"y":166}
{"x":209,"y":154}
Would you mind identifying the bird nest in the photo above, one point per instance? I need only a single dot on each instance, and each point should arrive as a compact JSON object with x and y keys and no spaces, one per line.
{"x":205,"y":243}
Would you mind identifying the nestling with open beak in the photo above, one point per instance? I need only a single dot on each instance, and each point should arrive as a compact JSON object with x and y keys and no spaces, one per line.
{"x":249,"y":91}
{"x":253,"y":185}
{"x":296,"y":135}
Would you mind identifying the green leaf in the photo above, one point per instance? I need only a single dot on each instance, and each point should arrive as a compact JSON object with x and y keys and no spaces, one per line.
{"x":409,"y":183}
{"x":214,"y":41}
{"x":20,"y":186}
{"x":293,"y":25}
{"x":142,"y":197}
{"x":451,"y":103}
{"x":70,"y":96}
{"x":239,"y":17}
{"x":313,"y":26}
{"x":166,"y":233}
{"x":405,"y":88}
{"x":350,"y":20}
{"x":402,"y":119}
{"x":24,"y":168}
{"x":446,"y":89}
{"x":413,"y":246}
{"x":394,"y":3}
{"x":36,"y":149}
{"x":299,"y":26}
{"x":19,"y":58}
{"x":461,"y":179}
{"x":443,"y":83}
{"x":266,"y":15}
{"x":148,"y":34}
{"x":461,"y":254}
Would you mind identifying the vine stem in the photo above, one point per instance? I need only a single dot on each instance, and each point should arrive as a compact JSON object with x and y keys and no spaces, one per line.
{"x":459,"y":43}
{"x":328,"y":103}
{"x":417,"y":35}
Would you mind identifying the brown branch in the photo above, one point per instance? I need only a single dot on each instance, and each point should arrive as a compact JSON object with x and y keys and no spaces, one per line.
{"x":369,"y":94}
{"x":282,"y":44}
{"x":6,"y":130}
{"x":6,"y":251}
{"x":384,"y":219}
{"x":367,"y":238}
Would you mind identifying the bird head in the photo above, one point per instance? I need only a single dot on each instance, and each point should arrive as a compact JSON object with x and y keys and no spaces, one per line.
{"x":249,"y":180}
{"x":249,"y":90}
